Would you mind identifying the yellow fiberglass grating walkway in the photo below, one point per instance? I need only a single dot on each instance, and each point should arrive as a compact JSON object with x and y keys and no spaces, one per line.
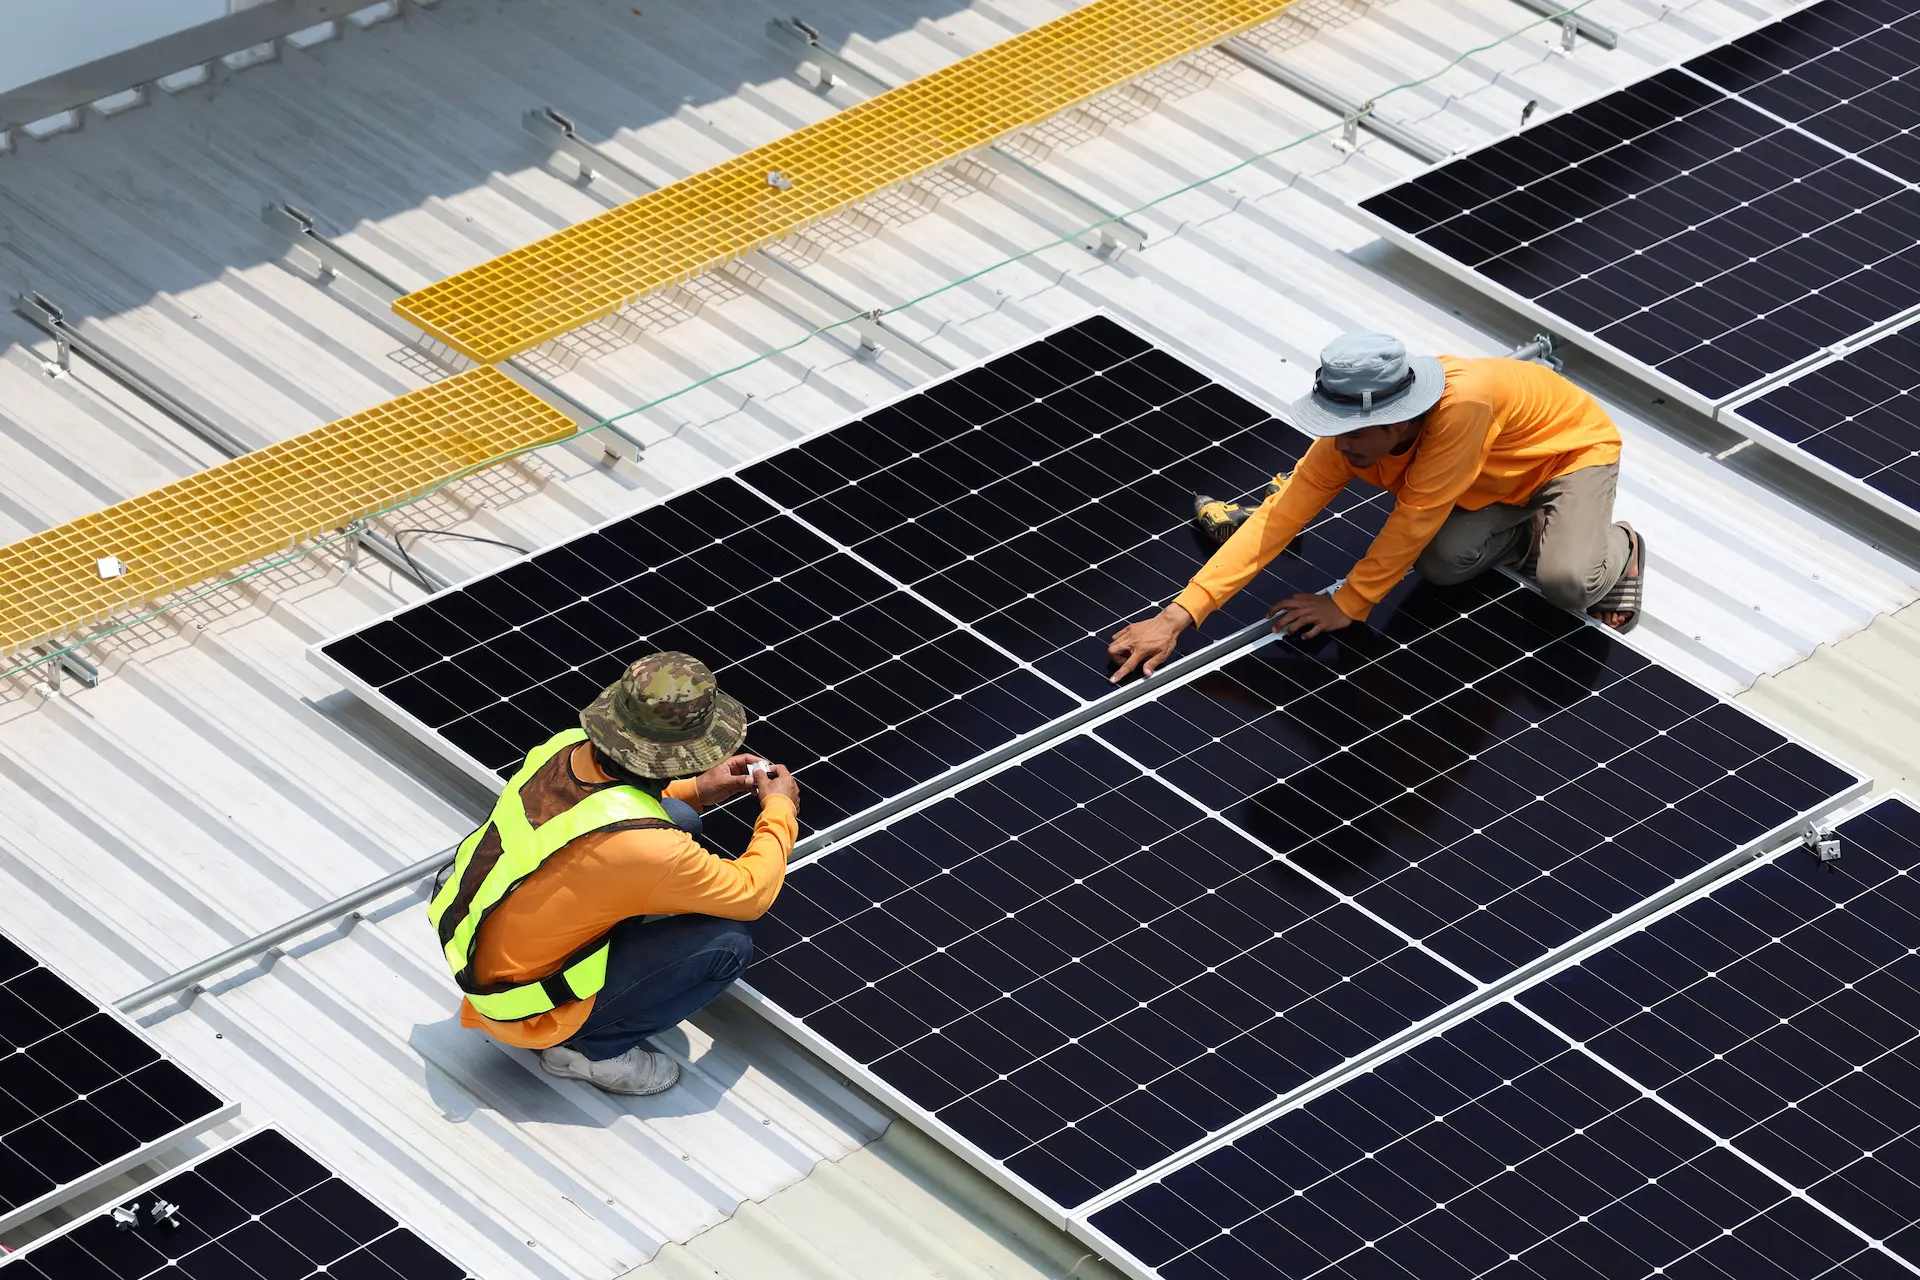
{"x":544,"y":289}
{"x":263,"y":502}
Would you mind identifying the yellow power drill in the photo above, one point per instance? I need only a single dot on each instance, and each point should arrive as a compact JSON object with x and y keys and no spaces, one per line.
{"x":1218,"y":518}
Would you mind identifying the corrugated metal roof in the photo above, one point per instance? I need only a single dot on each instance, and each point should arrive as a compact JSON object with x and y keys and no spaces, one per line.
{"x":214,"y":784}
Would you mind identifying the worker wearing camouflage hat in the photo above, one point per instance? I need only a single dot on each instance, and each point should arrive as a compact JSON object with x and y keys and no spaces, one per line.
{"x":544,"y":916}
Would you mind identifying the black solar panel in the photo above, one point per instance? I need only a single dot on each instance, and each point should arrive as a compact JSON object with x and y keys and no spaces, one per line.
{"x":1486,"y":772}
{"x":1783,"y":1013}
{"x":1859,"y":414}
{"x":1048,"y":526}
{"x":1044,"y":497}
{"x":1083,"y":971}
{"x":1729,"y":1093}
{"x":1697,"y":232}
{"x":1497,"y":1149}
{"x":259,"y":1209}
{"x":1079,"y":971}
{"x":81,"y":1092}
{"x":1845,"y":72}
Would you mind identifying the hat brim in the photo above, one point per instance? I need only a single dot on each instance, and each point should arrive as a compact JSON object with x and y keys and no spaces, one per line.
{"x":649,"y":759}
{"x":1321,"y":417}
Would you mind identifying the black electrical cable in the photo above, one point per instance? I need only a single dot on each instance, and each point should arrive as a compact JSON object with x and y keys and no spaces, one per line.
{"x":400,"y":544}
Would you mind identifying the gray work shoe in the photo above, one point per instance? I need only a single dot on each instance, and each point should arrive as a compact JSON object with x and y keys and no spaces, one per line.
{"x":639,"y":1071}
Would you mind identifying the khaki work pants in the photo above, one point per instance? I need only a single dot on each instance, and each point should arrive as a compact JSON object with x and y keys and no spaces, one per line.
{"x":1582,"y":553}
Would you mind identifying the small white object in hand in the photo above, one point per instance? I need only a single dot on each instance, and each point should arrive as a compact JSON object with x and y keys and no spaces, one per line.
{"x":759,"y":766}
{"x":111,"y":566}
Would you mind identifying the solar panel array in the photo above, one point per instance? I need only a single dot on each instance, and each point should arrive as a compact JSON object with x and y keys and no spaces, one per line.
{"x":1086,"y":963}
{"x":1034,"y":505}
{"x":1859,"y":414}
{"x":259,"y":1209}
{"x":1081,"y":965}
{"x":80,"y":1090}
{"x":1718,"y":222}
{"x":1733,"y":1091}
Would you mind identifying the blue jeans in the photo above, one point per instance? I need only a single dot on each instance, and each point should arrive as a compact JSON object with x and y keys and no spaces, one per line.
{"x":660,"y":971}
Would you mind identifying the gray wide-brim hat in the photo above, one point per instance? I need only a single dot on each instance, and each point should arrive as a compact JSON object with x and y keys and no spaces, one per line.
{"x":1368,"y":380}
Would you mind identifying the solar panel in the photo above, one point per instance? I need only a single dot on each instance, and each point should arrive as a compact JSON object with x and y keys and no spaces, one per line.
{"x":1842,"y":72}
{"x":1496,"y":1149}
{"x":1711,"y":239}
{"x":1079,"y":972}
{"x":1783,"y":1014}
{"x":1727,"y":1092}
{"x":82,"y":1094}
{"x":1487,"y":773}
{"x":1089,"y":962}
{"x":258,"y":1209}
{"x":1855,"y":417}
{"x":1034,"y":504}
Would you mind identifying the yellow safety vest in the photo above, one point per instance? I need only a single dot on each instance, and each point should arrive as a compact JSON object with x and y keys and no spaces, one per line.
{"x":486,"y":870}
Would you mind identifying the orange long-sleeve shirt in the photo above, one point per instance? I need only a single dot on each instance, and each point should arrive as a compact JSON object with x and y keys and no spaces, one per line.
{"x":1501,"y":429}
{"x":599,"y":880}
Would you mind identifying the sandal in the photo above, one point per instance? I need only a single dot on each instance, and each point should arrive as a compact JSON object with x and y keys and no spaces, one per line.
{"x":1626,"y":595}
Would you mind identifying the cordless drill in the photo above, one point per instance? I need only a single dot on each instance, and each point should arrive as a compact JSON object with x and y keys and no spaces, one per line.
{"x":1218,"y":518}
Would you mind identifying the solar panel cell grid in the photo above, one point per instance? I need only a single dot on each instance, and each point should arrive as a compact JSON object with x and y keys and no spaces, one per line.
{"x":1481,"y":769}
{"x":1717,"y":222}
{"x":1784,"y":1014}
{"x":1040,"y":498}
{"x":79,"y":1089}
{"x":1858,"y":413}
{"x":1079,"y":972}
{"x":261,"y":1209}
{"x":1495,"y":1150}
{"x":1843,"y":72}
{"x":1728,"y":1092}
{"x":862,"y":689}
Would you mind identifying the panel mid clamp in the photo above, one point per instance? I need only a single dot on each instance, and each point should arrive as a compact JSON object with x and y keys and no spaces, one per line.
{"x":1823,"y":843}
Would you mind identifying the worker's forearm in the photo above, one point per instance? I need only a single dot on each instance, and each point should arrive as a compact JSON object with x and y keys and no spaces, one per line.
{"x":1252,"y":547}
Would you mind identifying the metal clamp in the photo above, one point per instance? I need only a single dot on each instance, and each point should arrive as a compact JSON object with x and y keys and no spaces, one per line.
{"x":1823,"y":843}
{"x":1540,"y":348}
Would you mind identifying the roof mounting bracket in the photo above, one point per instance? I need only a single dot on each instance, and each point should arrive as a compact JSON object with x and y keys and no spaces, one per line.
{"x":1572,"y":23}
{"x":558,"y":132}
{"x":143,"y":380}
{"x":1823,"y":843}
{"x":71,"y":663}
{"x":1540,"y":347}
{"x":1355,"y":115}
{"x":1112,"y":233}
{"x":802,"y":38}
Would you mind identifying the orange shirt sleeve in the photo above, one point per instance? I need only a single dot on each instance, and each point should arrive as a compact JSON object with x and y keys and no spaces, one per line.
{"x":738,"y":889}
{"x":686,"y":791}
{"x":1322,"y":472}
{"x":1453,"y":448}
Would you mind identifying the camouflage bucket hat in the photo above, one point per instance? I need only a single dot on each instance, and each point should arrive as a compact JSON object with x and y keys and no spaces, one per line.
{"x":665,"y":718}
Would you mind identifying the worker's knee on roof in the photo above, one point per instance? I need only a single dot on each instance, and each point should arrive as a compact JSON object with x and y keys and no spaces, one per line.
{"x":1565,"y":589}
{"x":730,"y":949}
{"x":1444,"y":568}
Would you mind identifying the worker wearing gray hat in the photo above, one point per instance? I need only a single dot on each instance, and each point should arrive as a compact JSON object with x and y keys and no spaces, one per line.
{"x":1491,"y":462}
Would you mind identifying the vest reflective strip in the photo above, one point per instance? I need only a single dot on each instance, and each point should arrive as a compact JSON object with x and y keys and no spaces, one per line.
{"x":523,"y":848}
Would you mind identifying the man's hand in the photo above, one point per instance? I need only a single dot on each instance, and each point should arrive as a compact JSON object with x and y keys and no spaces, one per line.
{"x":775,"y":780}
{"x":1147,"y":644}
{"x":725,"y":780}
{"x":1307,"y":616}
